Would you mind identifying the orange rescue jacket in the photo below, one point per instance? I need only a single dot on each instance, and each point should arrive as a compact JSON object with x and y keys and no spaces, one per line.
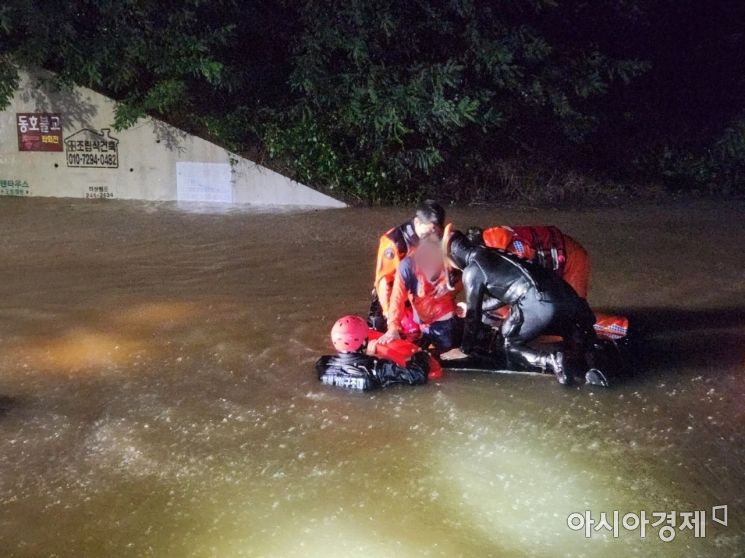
{"x":411,"y":285}
{"x":394,"y":246}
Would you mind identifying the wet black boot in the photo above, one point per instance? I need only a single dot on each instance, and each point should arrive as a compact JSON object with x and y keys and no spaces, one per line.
{"x":549,"y":363}
{"x":596,"y":377}
{"x":600,"y":363}
{"x":554,"y":362}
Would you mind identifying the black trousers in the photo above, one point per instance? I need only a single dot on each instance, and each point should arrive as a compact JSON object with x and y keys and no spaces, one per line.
{"x":535,"y":315}
{"x":443,"y":335}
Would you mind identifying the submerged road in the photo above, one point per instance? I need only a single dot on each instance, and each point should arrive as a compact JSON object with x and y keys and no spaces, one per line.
{"x":157,"y":396}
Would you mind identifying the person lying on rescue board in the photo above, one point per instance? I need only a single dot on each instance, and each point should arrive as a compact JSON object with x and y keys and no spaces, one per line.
{"x":362,"y":364}
{"x":394,"y":246}
{"x":424,"y":283}
{"x":540,"y":303}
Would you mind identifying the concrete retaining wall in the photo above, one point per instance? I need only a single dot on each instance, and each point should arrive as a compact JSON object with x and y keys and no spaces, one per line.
{"x":60,"y":143}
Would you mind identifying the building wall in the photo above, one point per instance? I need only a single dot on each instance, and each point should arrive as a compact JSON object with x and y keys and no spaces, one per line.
{"x":150,"y":161}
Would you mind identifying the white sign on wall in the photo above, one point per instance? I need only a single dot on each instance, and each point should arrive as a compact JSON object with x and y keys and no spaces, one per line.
{"x":203,"y":182}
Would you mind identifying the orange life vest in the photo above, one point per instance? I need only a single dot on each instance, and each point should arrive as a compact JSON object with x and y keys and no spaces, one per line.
{"x":393,"y":247}
{"x":411,"y":285}
{"x":543,"y":245}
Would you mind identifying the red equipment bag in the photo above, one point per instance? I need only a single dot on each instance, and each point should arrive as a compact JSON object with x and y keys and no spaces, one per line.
{"x":401,"y":350}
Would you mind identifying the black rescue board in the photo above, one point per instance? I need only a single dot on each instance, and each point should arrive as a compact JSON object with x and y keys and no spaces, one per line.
{"x":486,"y":364}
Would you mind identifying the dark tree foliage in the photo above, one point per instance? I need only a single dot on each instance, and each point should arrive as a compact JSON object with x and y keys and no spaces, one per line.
{"x":403,"y":92}
{"x":384,"y":100}
{"x":207,"y":66}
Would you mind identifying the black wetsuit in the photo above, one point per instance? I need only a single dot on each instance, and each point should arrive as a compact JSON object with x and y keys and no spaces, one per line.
{"x":363,"y":372}
{"x":541,"y":303}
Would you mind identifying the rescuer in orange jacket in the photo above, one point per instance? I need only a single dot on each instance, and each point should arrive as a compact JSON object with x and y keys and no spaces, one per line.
{"x":554,"y":250}
{"x":423,"y":281}
{"x":545,"y":245}
{"x":394,"y":246}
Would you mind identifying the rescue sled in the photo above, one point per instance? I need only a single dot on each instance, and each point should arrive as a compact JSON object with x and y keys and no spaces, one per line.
{"x":612,"y":352}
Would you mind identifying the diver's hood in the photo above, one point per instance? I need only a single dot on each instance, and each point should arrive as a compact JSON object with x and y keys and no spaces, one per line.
{"x":461,"y":250}
{"x":457,"y":248}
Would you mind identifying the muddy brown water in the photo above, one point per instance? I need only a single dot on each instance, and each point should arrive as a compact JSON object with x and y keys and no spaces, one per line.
{"x":157,"y":396}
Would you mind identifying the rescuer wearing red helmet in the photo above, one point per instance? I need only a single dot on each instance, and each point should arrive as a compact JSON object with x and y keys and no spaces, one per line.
{"x":353,"y":368}
{"x":394,"y":246}
{"x":349,"y":334}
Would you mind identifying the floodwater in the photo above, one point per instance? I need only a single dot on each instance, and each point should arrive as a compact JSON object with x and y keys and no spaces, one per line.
{"x":157,"y":396}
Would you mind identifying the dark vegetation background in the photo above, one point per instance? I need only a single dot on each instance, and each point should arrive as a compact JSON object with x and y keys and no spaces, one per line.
{"x":385,"y":101}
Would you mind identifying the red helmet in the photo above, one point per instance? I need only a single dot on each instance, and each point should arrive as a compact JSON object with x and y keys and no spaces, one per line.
{"x":349,"y":334}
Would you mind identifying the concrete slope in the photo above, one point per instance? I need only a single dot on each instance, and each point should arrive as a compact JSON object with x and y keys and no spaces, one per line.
{"x":60,"y":143}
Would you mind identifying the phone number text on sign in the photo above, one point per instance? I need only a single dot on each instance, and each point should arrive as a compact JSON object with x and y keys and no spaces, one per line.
{"x":107,"y":160}
{"x":92,"y":149}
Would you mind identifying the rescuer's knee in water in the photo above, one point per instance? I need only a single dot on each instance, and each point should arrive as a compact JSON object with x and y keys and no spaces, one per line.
{"x":353,"y":368}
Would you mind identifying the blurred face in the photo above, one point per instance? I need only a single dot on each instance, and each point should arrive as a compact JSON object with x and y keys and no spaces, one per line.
{"x":423,"y":230}
{"x":429,"y":257}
